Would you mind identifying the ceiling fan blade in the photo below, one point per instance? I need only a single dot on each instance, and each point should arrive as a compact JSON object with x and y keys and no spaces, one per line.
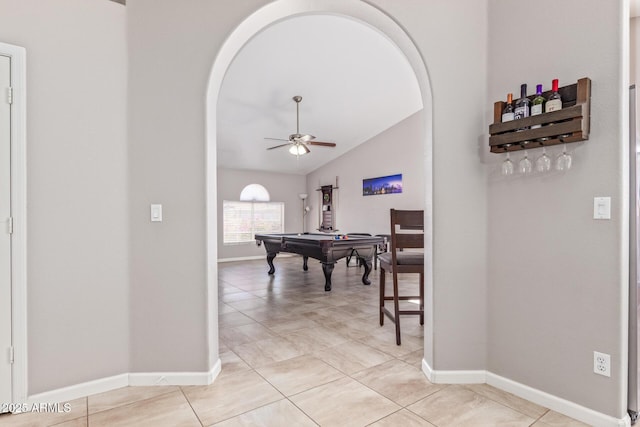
{"x":322,"y":144}
{"x":306,"y":149}
{"x":277,"y":139}
{"x":278,"y":146}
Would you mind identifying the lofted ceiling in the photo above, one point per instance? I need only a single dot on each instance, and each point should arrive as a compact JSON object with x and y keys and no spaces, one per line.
{"x":354,"y":82}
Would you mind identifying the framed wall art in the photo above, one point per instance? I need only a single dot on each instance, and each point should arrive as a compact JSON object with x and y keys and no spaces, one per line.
{"x":391,"y":184}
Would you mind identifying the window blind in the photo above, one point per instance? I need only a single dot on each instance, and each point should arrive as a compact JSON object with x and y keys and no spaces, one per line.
{"x":242,"y":220}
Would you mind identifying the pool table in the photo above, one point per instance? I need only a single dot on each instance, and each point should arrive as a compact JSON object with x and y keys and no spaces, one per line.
{"x":324,"y":247}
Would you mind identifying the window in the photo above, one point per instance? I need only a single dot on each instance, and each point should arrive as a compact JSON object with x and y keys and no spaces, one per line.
{"x":244,"y":219}
{"x":254,"y":193}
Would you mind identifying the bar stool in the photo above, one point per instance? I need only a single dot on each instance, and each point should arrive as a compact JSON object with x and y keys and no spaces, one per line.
{"x":407,"y":232}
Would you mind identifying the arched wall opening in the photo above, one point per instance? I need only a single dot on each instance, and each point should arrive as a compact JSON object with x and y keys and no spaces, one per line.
{"x":254,"y":24}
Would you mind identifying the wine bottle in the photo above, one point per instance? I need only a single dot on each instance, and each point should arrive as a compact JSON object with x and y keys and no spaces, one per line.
{"x":537,"y":105}
{"x":507,"y":112}
{"x":555,"y":100}
{"x":523,"y":104}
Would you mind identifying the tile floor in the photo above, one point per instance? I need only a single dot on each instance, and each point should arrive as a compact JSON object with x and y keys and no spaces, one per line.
{"x":295,"y":355}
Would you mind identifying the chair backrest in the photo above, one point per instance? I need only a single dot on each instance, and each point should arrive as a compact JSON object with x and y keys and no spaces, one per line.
{"x":407,"y":229}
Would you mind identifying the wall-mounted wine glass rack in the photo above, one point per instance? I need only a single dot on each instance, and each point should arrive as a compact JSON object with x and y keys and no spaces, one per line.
{"x":570,"y":124}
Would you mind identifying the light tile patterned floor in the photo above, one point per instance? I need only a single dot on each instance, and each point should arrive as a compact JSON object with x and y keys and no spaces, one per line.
{"x":295,"y":355}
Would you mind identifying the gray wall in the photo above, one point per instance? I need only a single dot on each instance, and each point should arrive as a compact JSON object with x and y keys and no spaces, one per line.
{"x":400,"y":149}
{"x":453,"y":46}
{"x":634,"y":59}
{"x":557,"y":277}
{"x":168,"y":136}
{"x":172,"y":46}
{"x":282,"y":188}
{"x":167,"y":148}
{"x":78,"y":321}
{"x":448,"y":70}
{"x":529,"y":297}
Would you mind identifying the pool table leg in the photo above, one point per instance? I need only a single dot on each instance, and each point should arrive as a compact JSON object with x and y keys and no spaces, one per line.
{"x":270,"y":257}
{"x":327,"y":269}
{"x":305,"y":267}
{"x":367,"y":269}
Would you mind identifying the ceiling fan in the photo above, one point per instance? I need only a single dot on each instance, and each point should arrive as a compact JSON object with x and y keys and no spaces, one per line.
{"x":299,"y":142}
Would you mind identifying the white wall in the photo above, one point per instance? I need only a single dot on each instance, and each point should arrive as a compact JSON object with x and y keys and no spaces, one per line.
{"x":281,"y":187}
{"x":77,"y":194}
{"x":557,"y":278}
{"x":400,"y":149}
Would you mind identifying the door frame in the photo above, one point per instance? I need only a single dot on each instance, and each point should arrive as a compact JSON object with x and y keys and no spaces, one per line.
{"x":19,"y":214}
{"x":632,"y":380}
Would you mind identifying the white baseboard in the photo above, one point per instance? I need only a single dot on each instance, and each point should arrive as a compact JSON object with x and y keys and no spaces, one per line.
{"x":65,"y":394}
{"x":428,"y":371}
{"x":555,"y":403}
{"x":453,"y":377}
{"x":175,"y":378}
{"x":77,"y":391}
{"x":539,"y":397}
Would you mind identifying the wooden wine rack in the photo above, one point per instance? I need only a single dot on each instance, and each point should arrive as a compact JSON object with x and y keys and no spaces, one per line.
{"x":570,"y":124}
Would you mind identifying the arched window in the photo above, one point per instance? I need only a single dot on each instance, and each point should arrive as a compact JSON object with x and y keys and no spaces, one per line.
{"x":254,"y":193}
{"x":254,"y":213}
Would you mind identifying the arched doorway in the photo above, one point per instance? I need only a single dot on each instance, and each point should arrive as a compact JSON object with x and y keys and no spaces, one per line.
{"x":255,"y":23}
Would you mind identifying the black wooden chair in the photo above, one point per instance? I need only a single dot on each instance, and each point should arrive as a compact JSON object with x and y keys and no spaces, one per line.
{"x":407,"y":232}
{"x":353,"y":251}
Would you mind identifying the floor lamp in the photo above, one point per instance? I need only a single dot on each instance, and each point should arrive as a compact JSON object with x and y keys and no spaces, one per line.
{"x":305,"y":209}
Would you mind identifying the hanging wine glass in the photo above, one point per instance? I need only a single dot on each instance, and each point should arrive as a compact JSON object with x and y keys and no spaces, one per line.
{"x":543,"y":163}
{"x":563,"y":162}
{"x":524,"y":165}
{"x":507,"y":166}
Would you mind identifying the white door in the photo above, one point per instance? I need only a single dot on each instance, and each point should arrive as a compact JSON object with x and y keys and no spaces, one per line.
{"x":6,"y":355}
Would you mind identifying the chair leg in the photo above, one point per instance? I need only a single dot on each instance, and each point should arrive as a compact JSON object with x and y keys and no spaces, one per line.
{"x":396,"y":305}
{"x":382,"y":274}
{"x":375,"y":258}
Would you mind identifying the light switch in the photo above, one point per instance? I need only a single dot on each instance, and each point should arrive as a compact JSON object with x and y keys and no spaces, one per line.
{"x":156,"y":213}
{"x":602,"y":208}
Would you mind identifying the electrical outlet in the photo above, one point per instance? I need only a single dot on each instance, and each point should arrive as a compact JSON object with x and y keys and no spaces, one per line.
{"x":602,"y":364}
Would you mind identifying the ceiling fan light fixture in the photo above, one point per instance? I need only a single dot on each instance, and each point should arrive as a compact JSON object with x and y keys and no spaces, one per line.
{"x":298,"y":150}
{"x":299,"y":141}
